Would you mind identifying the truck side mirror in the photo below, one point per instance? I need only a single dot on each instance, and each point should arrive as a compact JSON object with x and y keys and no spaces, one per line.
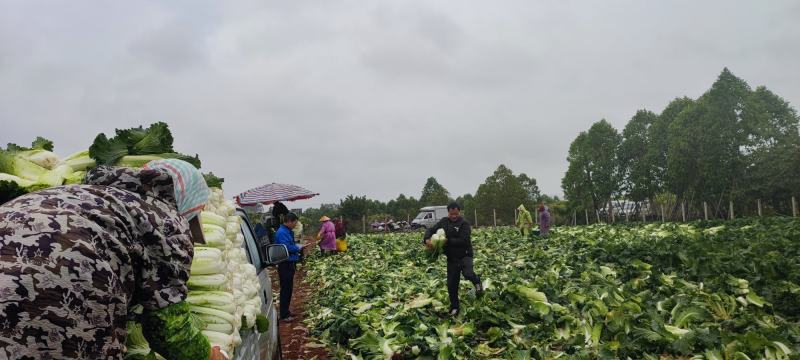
{"x":275,"y":254}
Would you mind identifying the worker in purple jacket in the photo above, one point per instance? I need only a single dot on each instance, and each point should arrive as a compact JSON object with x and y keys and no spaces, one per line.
{"x":544,"y":221}
{"x":327,"y":236}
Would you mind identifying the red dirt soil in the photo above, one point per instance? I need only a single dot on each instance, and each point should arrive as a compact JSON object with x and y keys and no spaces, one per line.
{"x":294,"y":334}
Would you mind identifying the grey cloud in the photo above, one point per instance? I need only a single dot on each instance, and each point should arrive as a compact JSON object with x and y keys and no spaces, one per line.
{"x":169,"y":49}
{"x":373,"y":97}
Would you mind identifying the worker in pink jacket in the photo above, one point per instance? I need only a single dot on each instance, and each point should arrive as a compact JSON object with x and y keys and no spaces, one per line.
{"x":327,"y":235}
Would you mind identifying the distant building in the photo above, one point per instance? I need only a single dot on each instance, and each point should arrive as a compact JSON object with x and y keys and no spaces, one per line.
{"x":298,"y":211}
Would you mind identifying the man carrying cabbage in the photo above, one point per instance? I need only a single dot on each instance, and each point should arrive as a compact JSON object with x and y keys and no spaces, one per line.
{"x":458,"y":250}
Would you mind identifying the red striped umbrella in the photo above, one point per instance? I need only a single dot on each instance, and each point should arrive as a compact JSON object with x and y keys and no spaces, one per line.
{"x":270,"y":193}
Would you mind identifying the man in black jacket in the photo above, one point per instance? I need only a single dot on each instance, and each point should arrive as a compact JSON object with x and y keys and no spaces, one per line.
{"x":458,"y":250}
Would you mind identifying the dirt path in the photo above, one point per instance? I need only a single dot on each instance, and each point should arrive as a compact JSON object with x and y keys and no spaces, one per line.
{"x":294,"y":335}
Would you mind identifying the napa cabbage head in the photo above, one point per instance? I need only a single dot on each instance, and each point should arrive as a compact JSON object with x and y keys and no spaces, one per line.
{"x":20,"y":167}
{"x":175,"y":332}
{"x":135,"y":147}
{"x":137,"y":347}
{"x":79,"y":161}
{"x":438,"y":241}
{"x":40,"y":153}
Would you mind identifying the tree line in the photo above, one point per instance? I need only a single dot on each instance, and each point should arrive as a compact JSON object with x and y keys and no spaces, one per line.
{"x":502,"y":191}
{"x":733,"y":143}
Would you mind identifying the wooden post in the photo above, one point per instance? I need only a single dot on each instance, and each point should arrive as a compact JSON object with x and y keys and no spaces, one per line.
{"x":759,"y":207}
{"x":574,"y":217}
{"x":683,"y":211}
{"x":731,"y":208}
{"x":516,"y":215}
{"x":705,"y":210}
{"x":587,"y":215}
{"x":476,"y":217}
{"x":364,"y":223}
{"x":494,"y":215}
{"x":794,"y":207}
{"x":597,"y":213}
{"x":408,"y":218}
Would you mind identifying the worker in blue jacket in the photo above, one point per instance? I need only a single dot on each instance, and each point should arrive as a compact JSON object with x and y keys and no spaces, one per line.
{"x":286,"y":269}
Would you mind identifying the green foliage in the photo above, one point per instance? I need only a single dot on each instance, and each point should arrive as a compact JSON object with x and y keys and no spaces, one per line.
{"x":262,"y":323}
{"x":154,"y":140}
{"x":658,"y":137}
{"x":531,"y":188}
{"x":137,"y":346}
{"x":39,"y":143}
{"x":353,"y":209}
{"x":593,"y":175}
{"x":403,"y":207}
{"x":42,"y":143}
{"x":434,"y":194}
{"x":503,"y":191}
{"x":10,"y":190}
{"x":732,"y":143}
{"x":137,"y":143}
{"x":107,"y":151}
{"x":771,"y":149}
{"x":213,"y":180}
{"x":704,"y":142}
{"x":176,"y":333}
{"x":638,"y":171}
{"x":600,"y":291}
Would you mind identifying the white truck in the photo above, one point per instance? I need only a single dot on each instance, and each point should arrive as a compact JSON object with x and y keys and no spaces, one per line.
{"x":429,"y":216}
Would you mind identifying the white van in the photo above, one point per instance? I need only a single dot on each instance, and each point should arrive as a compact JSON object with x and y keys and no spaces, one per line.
{"x":429,"y":216}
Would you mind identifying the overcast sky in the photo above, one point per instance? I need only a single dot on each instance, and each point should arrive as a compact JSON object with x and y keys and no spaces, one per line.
{"x":373,"y":97}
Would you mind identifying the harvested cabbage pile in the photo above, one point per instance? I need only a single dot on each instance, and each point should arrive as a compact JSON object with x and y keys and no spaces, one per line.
{"x":175,"y":333}
{"x":137,"y":146}
{"x":27,"y":169}
{"x":223,"y":284}
{"x":137,"y":346}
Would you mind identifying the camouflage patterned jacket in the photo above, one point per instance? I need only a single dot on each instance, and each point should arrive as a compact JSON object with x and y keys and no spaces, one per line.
{"x":74,"y":259}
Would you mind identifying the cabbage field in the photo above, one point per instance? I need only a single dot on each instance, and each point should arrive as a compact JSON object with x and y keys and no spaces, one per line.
{"x":703,"y":290}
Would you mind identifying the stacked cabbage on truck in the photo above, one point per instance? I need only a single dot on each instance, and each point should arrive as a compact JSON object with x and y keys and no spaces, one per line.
{"x":224,"y":286}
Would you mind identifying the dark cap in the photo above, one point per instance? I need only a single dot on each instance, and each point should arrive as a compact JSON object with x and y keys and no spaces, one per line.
{"x":453,"y":205}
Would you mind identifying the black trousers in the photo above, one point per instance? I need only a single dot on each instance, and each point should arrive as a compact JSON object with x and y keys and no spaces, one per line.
{"x":456,"y":267}
{"x":286,"y":272}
